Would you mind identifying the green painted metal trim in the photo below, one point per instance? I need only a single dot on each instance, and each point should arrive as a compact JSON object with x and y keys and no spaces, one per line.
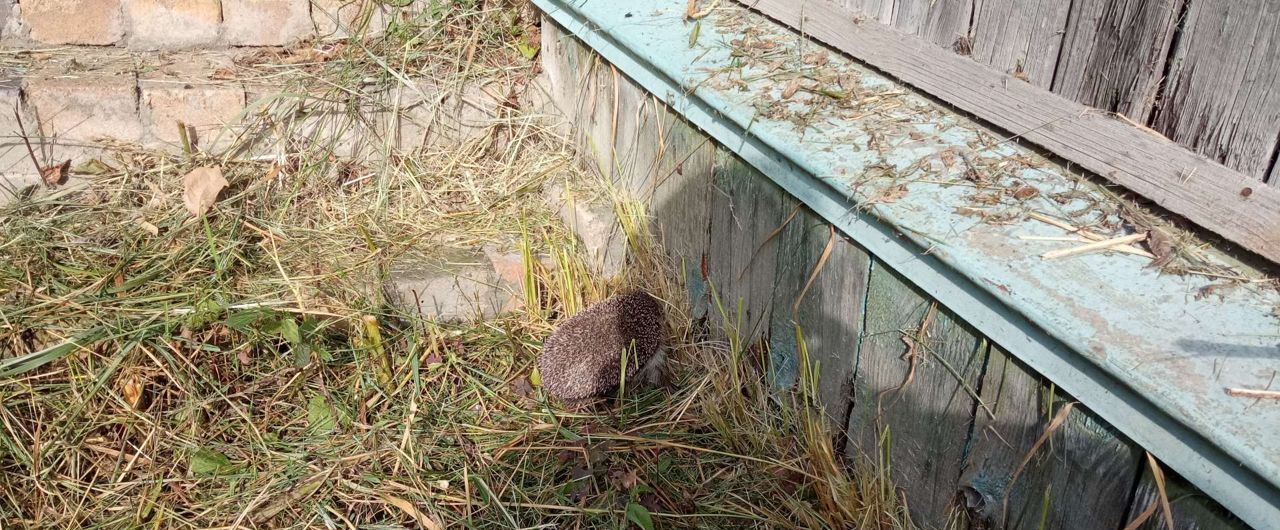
{"x":1237,"y":486}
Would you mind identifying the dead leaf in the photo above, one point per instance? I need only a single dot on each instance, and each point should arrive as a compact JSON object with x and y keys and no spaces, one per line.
{"x":791,"y":89}
{"x":55,"y":174}
{"x":272,"y":173}
{"x":200,"y":189}
{"x":433,"y":359}
{"x":623,"y":480}
{"x":948,"y":158}
{"x":915,"y":135}
{"x":892,"y":194}
{"x":408,"y":508}
{"x":522,"y":387}
{"x":1213,"y":289}
{"x":148,"y":227}
{"x":223,"y":74}
{"x":651,"y":501}
{"x":132,"y":391}
{"x":1161,"y":244}
{"x":1025,"y":192}
{"x":817,"y":58}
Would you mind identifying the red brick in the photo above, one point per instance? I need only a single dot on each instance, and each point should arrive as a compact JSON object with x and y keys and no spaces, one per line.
{"x":93,"y":22}
{"x":266,"y":22}
{"x":172,"y":24}
{"x":205,"y":109}
{"x":84,"y":109}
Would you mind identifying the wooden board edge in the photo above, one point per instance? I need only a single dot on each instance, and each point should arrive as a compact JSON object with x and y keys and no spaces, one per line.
{"x":1235,"y":206}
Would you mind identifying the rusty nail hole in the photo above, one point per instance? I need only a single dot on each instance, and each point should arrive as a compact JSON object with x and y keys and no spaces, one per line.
{"x":1246,"y":192}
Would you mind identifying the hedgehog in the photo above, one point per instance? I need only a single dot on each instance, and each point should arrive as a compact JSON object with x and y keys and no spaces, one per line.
{"x":582,"y":359}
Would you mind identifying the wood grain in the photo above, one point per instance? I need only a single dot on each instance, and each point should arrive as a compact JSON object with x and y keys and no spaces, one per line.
{"x":682,"y":174}
{"x":1179,"y":180}
{"x":1114,"y":52}
{"x":1191,"y":509}
{"x":1020,"y":37}
{"x":1221,"y":98}
{"x":938,"y":21}
{"x":1085,"y":470}
{"x":745,"y":208}
{"x":829,"y":315}
{"x":928,"y":419}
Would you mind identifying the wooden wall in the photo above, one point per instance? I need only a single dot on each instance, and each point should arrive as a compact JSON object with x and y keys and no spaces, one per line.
{"x":900,"y":376}
{"x":1202,"y":72}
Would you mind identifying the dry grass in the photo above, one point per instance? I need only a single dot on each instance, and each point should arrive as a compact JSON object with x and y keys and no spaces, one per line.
{"x":166,"y":371}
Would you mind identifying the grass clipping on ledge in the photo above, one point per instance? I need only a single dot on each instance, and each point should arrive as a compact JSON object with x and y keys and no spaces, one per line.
{"x":243,"y":369}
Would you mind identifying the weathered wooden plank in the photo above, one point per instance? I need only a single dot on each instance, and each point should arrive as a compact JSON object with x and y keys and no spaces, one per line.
{"x":829,"y":315}
{"x":1169,"y":175}
{"x":939,"y":21}
{"x":582,"y":87}
{"x":682,"y":174}
{"x":918,"y":412}
{"x":1220,"y":97}
{"x":1114,"y":52}
{"x":878,"y":10}
{"x":1079,"y":478}
{"x":1021,"y":37}
{"x":660,"y":158}
{"x":745,"y":208}
{"x":1191,"y":509}
{"x":635,"y":146}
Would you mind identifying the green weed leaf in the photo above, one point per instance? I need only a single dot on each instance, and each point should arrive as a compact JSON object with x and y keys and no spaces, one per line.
{"x":208,"y":462}
{"x":639,"y":515}
{"x":320,"y":415}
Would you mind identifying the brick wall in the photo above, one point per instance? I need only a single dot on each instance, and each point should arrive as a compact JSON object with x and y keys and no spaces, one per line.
{"x":183,"y":24}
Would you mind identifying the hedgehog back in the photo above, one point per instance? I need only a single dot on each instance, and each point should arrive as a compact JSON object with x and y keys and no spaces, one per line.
{"x":582,"y":357}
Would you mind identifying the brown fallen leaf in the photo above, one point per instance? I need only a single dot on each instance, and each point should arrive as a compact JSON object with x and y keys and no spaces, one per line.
{"x":1025,"y":192}
{"x":948,"y":158}
{"x":892,"y":194}
{"x":272,"y":173}
{"x":623,"y":480}
{"x":522,"y":387}
{"x":132,"y":392}
{"x":1213,"y":289}
{"x":816,"y":58}
{"x":55,"y":174}
{"x":223,"y":74}
{"x":200,"y":189}
{"x":409,"y":509}
{"x":915,"y":135}
{"x":791,"y":89}
{"x":1161,"y":244}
